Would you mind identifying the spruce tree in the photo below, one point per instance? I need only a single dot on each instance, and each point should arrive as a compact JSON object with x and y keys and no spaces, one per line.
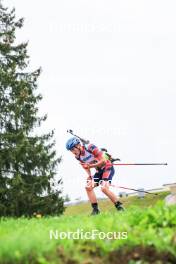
{"x":28,"y":162}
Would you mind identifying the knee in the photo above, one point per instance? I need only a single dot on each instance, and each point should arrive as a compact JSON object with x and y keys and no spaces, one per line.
{"x":88,"y":188}
{"x":104,"y":189}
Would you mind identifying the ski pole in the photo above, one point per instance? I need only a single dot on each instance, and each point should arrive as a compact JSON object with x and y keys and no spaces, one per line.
{"x":134,"y":164}
{"x":131,"y":189}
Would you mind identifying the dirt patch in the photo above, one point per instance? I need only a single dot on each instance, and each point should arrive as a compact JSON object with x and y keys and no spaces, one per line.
{"x":140,"y":253}
{"x":92,"y":255}
{"x":64,"y":258}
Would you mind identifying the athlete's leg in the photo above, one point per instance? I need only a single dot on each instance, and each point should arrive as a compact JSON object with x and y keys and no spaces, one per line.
{"x":105,"y":189}
{"x":90,"y":191}
{"x":92,"y":197}
{"x":105,"y":183}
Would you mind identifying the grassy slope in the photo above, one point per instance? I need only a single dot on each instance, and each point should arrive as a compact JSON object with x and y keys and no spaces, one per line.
{"x":27,"y":240}
{"x":106,"y":205}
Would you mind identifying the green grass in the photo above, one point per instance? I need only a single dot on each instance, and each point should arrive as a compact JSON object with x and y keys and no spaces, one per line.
{"x":106,"y":206}
{"x":28,"y":241}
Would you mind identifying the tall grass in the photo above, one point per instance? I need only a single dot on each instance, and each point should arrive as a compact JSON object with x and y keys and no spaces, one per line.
{"x":28,"y":240}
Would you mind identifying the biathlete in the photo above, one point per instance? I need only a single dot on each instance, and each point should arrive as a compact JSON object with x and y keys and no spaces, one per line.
{"x":91,"y":157}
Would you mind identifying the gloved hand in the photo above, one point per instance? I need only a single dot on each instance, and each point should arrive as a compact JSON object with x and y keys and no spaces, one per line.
{"x":112,"y":160}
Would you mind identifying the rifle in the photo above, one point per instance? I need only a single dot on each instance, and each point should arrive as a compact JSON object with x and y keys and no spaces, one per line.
{"x":84,"y":141}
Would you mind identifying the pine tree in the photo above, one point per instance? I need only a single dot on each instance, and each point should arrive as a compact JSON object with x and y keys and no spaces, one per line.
{"x":28,"y":161}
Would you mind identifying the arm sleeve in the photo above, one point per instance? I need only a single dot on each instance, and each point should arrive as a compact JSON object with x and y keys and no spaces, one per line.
{"x":94,"y":150}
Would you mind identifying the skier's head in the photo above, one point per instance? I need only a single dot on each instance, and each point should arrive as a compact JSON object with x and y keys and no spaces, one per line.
{"x":74,"y":145}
